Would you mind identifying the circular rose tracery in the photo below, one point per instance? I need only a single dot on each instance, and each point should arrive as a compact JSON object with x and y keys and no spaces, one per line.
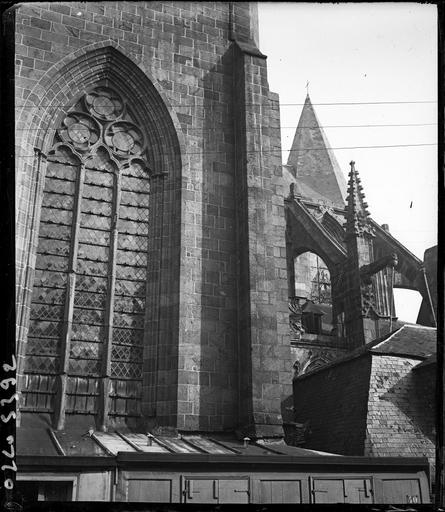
{"x":124,"y":138}
{"x":123,"y":141}
{"x":104,"y":103}
{"x":80,"y":130}
{"x":98,"y":116}
{"x":103,"y":106}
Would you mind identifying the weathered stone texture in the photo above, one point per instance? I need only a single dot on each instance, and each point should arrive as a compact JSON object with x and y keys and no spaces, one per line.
{"x":309,"y":356}
{"x":262,"y":294}
{"x":185,"y":50}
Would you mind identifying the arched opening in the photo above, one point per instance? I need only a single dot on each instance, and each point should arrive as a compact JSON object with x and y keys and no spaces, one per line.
{"x":103,"y":200}
{"x":312,"y":278}
{"x":407,"y":304}
{"x":313,"y":293}
{"x":88,"y":303}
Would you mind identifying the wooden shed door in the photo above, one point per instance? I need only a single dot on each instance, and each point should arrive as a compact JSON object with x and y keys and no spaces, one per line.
{"x":217,"y":491}
{"x":358,"y":490}
{"x":328,"y":491}
{"x":279,"y":491}
{"x":354,"y":490}
{"x":151,"y":491}
{"x":233,"y":491}
{"x":201,"y":491}
{"x":401,"y":491}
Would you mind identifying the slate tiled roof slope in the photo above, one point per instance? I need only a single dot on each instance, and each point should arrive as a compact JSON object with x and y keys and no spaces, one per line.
{"x":429,"y":361}
{"x":409,"y":340}
{"x":374,"y":402}
{"x":401,"y":417}
{"x":313,"y":161}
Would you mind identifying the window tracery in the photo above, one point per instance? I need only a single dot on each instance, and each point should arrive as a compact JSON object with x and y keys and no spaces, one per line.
{"x":88,"y":305}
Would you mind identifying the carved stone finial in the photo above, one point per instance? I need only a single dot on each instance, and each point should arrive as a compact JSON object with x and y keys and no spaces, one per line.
{"x":357,"y":214}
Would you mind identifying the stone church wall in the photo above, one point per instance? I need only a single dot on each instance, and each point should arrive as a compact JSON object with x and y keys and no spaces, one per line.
{"x":186,"y":51}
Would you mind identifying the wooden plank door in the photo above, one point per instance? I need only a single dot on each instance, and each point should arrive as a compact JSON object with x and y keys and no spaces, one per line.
{"x":201,"y":490}
{"x":328,"y":490}
{"x":150,"y":490}
{"x":233,"y":490}
{"x":279,"y":491}
{"x":398,"y":490}
{"x":358,"y":490}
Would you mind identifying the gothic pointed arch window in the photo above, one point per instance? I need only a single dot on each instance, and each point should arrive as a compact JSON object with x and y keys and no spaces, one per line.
{"x":85,"y":340}
{"x":312,"y":278}
{"x":312,"y":289}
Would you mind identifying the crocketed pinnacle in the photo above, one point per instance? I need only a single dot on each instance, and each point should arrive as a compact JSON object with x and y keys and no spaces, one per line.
{"x":357,"y":214}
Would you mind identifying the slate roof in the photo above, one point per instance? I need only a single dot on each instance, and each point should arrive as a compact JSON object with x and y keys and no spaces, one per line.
{"x":314,"y":163}
{"x":429,"y":361}
{"x":306,"y":192}
{"x":310,"y":307}
{"x":408,"y":340}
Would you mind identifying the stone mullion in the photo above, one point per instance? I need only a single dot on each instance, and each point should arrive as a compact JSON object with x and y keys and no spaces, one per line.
{"x":107,"y":349}
{"x":153,"y":291}
{"x":160,"y":225}
{"x":382,"y":298}
{"x":60,"y":405}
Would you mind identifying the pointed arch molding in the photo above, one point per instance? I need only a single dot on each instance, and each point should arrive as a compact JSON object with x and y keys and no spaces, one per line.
{"x":68,"y":79}
{"x":61,"y":87}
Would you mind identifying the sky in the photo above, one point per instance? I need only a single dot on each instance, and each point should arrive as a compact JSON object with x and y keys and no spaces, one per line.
{"x":366,"y":53}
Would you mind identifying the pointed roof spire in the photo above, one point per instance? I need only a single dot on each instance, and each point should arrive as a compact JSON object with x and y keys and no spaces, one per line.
{"x":316,"y":169}
{"x":357,"y":222}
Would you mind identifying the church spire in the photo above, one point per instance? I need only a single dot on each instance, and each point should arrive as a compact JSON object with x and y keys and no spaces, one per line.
{"x":315,"y":167}
{"x":357,"y":214}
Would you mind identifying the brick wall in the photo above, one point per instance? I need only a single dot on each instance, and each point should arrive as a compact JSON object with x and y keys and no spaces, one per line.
{"x":333,"y":401}
{"x":401,"y":414}
{"x":175,"y":62}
